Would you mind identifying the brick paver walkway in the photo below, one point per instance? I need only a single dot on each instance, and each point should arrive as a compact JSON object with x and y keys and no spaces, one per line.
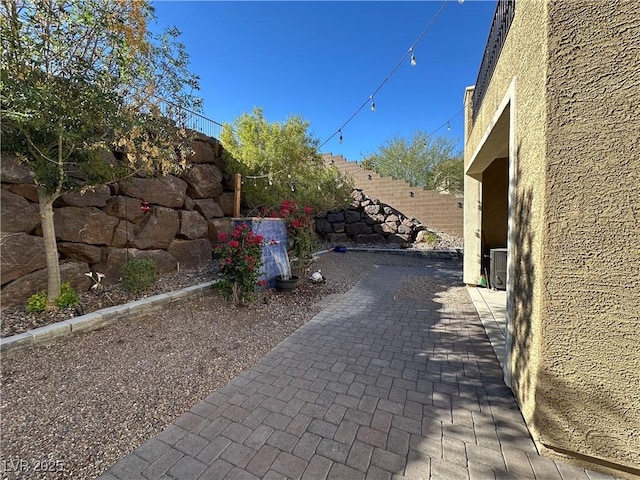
{"x":377,"y":386}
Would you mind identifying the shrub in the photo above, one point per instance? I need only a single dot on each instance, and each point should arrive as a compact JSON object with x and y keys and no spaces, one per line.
{"x":240,"y":262}
{"x":37,"y":302}
{"x":68,"y":296}
{"x":138,"y":275}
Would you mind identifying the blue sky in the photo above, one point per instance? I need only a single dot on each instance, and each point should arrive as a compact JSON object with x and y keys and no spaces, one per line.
{"x":322,"y":61}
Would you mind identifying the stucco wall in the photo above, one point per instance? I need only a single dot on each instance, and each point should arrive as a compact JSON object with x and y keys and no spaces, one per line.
{"x":522,"y":67}
{"x":588,"y":398}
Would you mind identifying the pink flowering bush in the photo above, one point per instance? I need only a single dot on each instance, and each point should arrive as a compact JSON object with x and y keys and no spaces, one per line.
{"x":240,"y":261}
{"x":301,"y":233}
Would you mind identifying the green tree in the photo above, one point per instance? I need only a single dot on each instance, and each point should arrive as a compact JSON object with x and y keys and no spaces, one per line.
{"x":448,"y":176}
{"x":414,"y":160}
{"x":285,"y":159}
{"x":83,"y":78}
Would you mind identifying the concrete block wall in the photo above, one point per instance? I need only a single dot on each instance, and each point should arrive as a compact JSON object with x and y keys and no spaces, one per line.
{"x":439,"y":211}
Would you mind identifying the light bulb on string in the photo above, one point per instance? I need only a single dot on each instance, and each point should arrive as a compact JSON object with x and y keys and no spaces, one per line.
{"x":373,"y":104}
{"x":448,"y":126}
{"x":340,"y":139}
{"x":413,"y":57}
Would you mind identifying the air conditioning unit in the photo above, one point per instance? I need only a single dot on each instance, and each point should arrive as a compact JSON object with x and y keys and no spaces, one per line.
{"x":498,"y":268}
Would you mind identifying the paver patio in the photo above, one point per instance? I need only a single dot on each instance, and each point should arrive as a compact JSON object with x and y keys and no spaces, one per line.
{"x":390,"y":380}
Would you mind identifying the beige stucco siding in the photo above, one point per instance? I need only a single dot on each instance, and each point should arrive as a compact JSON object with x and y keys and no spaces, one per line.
{"x":589,"y":385}
{"x":522,"y":63}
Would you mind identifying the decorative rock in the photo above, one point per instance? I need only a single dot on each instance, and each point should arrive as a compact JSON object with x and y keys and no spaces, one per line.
{"x":192,"y":225}
{"x":191,"y":254}
{"x":12,"y":171}
{"x":124,"y":207}
{"x":18,"y":215}
{"x":384,"y":228}
{"x":395,"y":238}
{"x":204,"y":181}
{"x":96,"y":198}
{"x":168,"y":191}
{"x":157,"y":229}
{"x":16,"y":293}
{"x":84,"y":225}
{"x":21,"y":255}
{"x":208,"y":208}
{"x":81,"y":252}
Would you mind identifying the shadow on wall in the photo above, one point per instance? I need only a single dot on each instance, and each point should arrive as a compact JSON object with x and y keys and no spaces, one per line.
{"x":521,"y":316}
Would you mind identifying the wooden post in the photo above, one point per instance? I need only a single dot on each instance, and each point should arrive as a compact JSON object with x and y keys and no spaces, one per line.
{"x":236,"y":200}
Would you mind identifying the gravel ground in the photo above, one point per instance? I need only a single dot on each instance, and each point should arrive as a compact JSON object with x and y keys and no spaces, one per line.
{"x":77,"y":406}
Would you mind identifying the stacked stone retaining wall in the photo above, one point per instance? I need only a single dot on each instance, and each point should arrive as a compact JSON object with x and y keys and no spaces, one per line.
{"x":100,"y":230}
{"x":440,"y":211}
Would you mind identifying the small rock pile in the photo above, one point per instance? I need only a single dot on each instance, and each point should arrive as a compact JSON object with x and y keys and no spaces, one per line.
{"x":368,"y":221}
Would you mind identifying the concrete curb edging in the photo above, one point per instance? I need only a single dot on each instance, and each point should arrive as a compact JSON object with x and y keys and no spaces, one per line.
{"x":99,"y":319}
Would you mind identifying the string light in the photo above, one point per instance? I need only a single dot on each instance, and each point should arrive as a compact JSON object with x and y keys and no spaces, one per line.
{"x":413,"y":58}
{"x":373,"y":104}
{"x":448,"y":126}
{"x":388,"y":77}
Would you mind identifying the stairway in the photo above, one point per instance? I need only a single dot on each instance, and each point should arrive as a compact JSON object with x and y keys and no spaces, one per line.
{"x":440,"y":211}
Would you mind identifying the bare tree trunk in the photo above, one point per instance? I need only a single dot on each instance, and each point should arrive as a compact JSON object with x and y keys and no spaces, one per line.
{"x":50,"y":247}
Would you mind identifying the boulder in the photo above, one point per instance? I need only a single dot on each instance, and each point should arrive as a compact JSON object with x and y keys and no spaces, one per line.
{"x":20,"y":254}
{"x":91,"y":198}
{"x":14,"y":171}
{"x":123,"y":234}
{"x":157,"y":230}
{"x":339,"y":227}
{"x":358,"y":228}
{"x":18,"y":215}
{"x":352,"y":216}
{"x":191,"y":254}
{"x":28,"y":191}
{"x":227,"y":202}
{"x":192,"y":225}
{"x":16,"y":293}
{"x":323,"y":226}
{"x":396,"y":238}
{"x":204,"y":181}
{"x":84,"y":225}
{"x":80,"y":251}
{"x":202,"y":151}
{"x":369,"y":238}
{"x":208,"y":208}
{"x":124,"y":207}
{"x":217,"y":226}
{"x":338,"y":238}
{"x":384,"y":228}
{"x":372,"y":209}
{"x":168,"y":191}
{"x":335,"y":217}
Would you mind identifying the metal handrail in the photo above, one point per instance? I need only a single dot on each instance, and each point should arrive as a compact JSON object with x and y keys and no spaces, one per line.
{"x":505,"y":10}
{"x":190,"y":119}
